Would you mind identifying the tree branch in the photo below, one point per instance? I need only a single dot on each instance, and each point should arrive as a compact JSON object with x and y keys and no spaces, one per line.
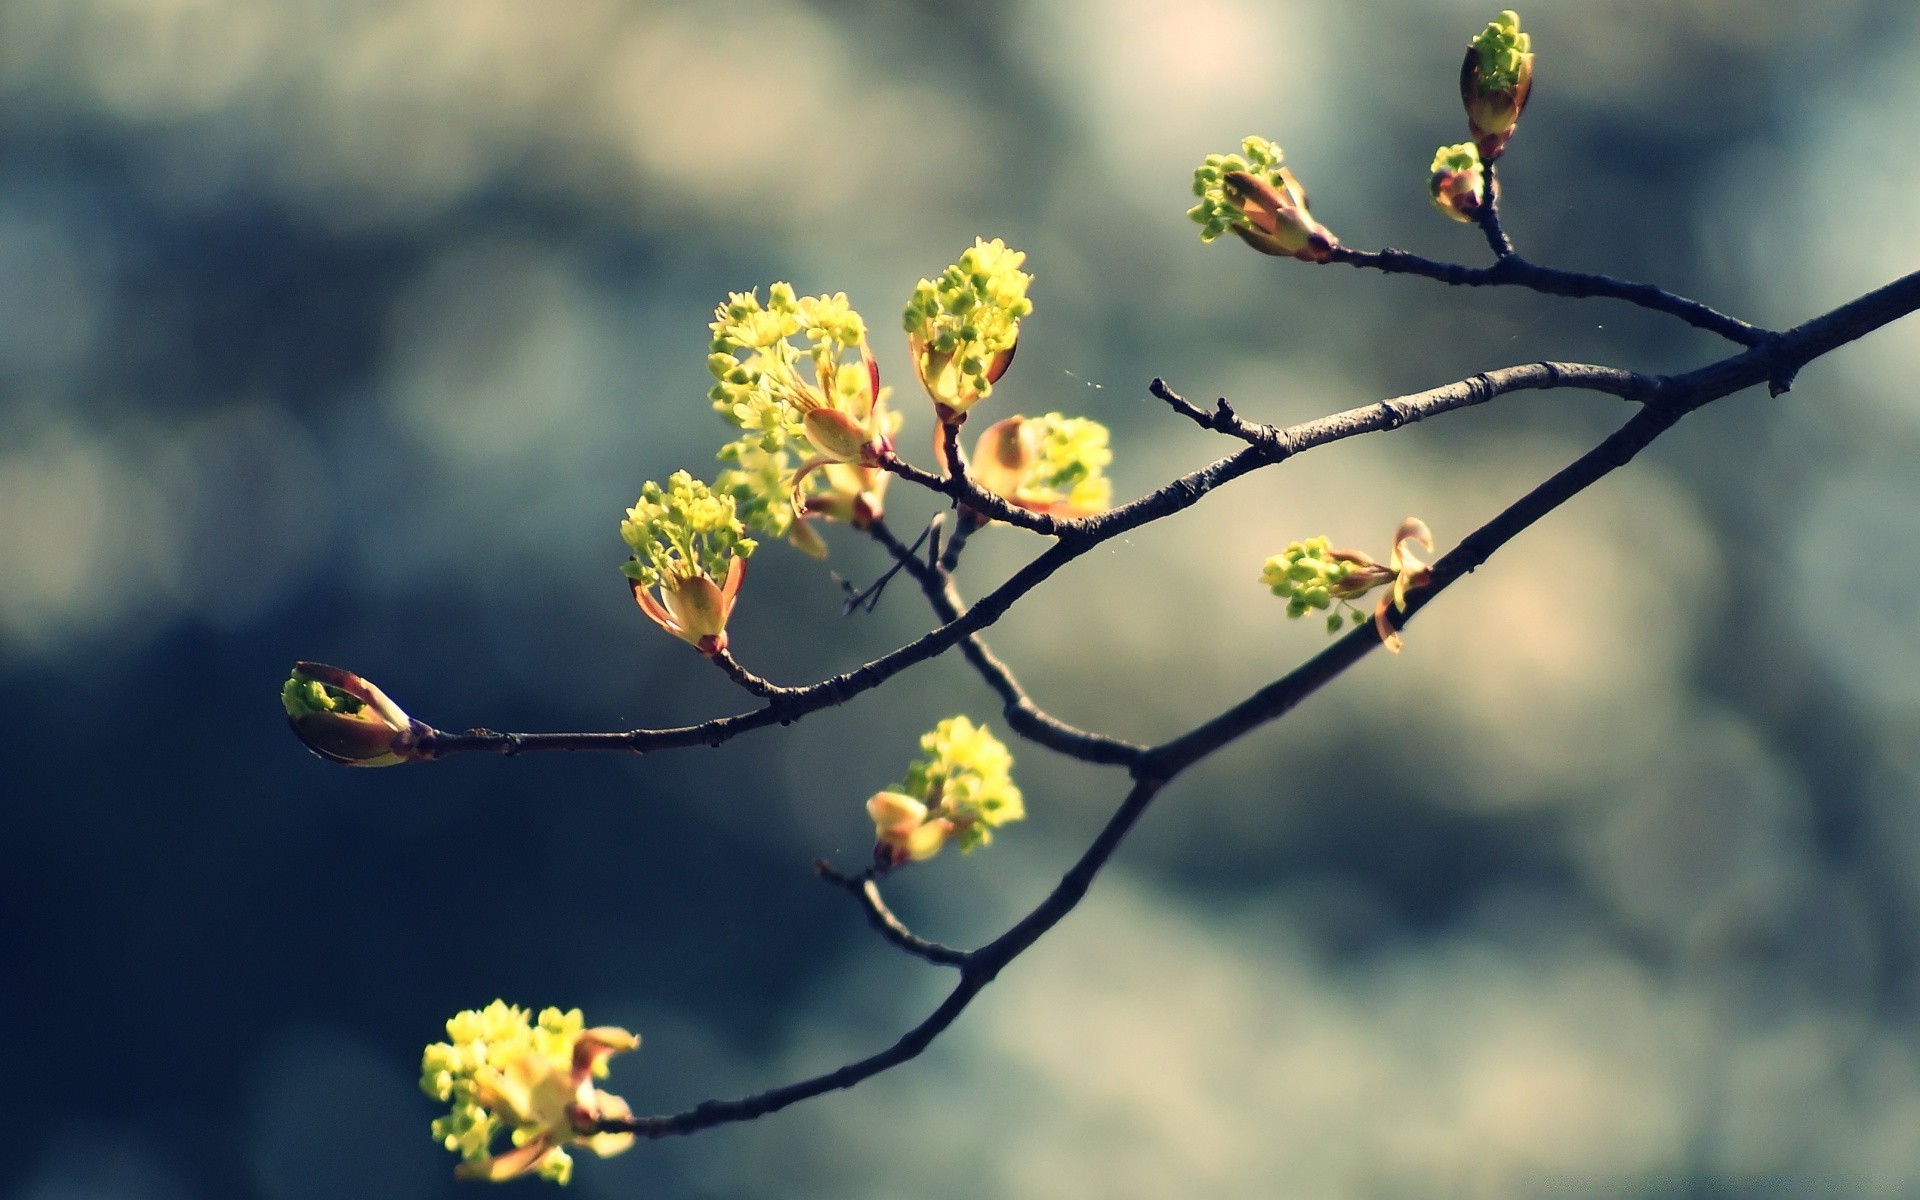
{"x":1025,"y":717}
{"x":1514,"y":271}
{"x":866,"y":890}
{"x":1674,"y":397}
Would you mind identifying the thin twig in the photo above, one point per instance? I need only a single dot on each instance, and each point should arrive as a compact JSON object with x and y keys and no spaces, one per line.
{"x":865,"y":889}
{"x":965,"y":525}
{"x":1024,"y":717}
{"x":976,"y":972}
{"x":748,"y":680}
{"x":870,"y":596}
{"x":1773,"y":362}
{"x":1488,"y":219}
{"x":1398,"y":411}
{"x":1515,"y":271}
{"x":963,"y":491}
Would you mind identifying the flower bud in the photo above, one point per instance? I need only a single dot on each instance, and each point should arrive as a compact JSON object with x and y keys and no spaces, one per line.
{"x":342,"y":717}
{"x":1049,"y":464}
{"x":963,"y":328}
{"x":902,"y":831}
{"x":839,"y":438}
{"x":1277,"y":221}
{"x":1256,"y":198}
{"x":1004,"y":454}
{"x":689,"y":558}
{"x":1458,"y":183}
{"x":1495,"y":80}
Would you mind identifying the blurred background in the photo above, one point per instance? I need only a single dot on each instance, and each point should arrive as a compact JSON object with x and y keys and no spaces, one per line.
{"x":346,"y":330}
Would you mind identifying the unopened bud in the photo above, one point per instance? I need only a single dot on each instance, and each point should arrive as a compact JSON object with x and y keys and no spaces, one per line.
{"x":839,"y":438}
{"x":1278,"y":221}
{"x":1495,"y":80}
{"x":1458,"y":183}
{"x":342,"y":717}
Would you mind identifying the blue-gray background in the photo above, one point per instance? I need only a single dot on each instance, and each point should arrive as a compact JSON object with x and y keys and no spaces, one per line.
{"x":346,"y":330}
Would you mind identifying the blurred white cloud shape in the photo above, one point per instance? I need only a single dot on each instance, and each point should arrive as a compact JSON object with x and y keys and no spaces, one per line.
{"x":65,"y":555}
{"x":247,"y":490}
{"x":1148,"y":1051}
{"x":124,"y":530}
{"x":1863,"y":526}
{"x":381,"y":111}
{"x":1150,"y":83}
{"x":493,"y":352}
{"x":52,"y":273}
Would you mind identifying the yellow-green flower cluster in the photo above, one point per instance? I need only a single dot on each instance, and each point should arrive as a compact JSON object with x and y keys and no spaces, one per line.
{"x":1503,"y":53}
{"x":303,"y":696}
{"x":758,"y":364}
{"x":1311,"y":576}
{"x":1051,"y":464}
{"x":960,"y":791}
{"x":1457,"y":181}
{"x":963,"y":327}
{"x":1496,"y":77}
{"x":505,"y":1073}
{"x":1254,"y":197}
{"x":689,"y":557}
{"x":682,"y":531}
{"x":1071,"y":473}
{"x":760,"y":483}
{"x":1218,"y":211}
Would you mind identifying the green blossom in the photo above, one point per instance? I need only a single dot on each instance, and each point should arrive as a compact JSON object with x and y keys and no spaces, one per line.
{"x":798,"y":368}
{"x":760,"y":483}
{"x":689,"y":556}
{"x":1457,"y":181}
{"x":530,"y":1081}
{"x":1254,"y":197}
{"x":1051,"y":464}
{"x":960,"y":790}
{"x":1496,"y":77}
{"x":1312,"y":576}
{"x":963,"y":327}
{"x":1504,"y":53}
{"x":1218,"y":212}
{"x":1073,"y":460}
{"x":682,"y":531}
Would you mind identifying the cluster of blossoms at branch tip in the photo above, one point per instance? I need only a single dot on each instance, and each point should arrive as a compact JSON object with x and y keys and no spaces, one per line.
{"x":532,"y":1080}
{"x":345,"y":718}
{"x":797,"y":370}
{"x":1314,"y":577}
{"x":1458,"y":181}
{"x":1052,"y":464}
{"x":773,"y":499}
{"x":1254,"y":197}
{"x":959,"y":791}
{"x":689,"y":557}
{"x":963,"y":328}
{"x":1495,"y":79}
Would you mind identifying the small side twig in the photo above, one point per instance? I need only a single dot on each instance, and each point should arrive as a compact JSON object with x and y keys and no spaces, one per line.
{"x":964,"y":492}
{"x":1488,"y":219}
{"x":750,"y":682}
{"x":1025,"y":717}
{"x":1515,"y":271}
{"x":869,"y":596}
{"x":865,"y":889}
